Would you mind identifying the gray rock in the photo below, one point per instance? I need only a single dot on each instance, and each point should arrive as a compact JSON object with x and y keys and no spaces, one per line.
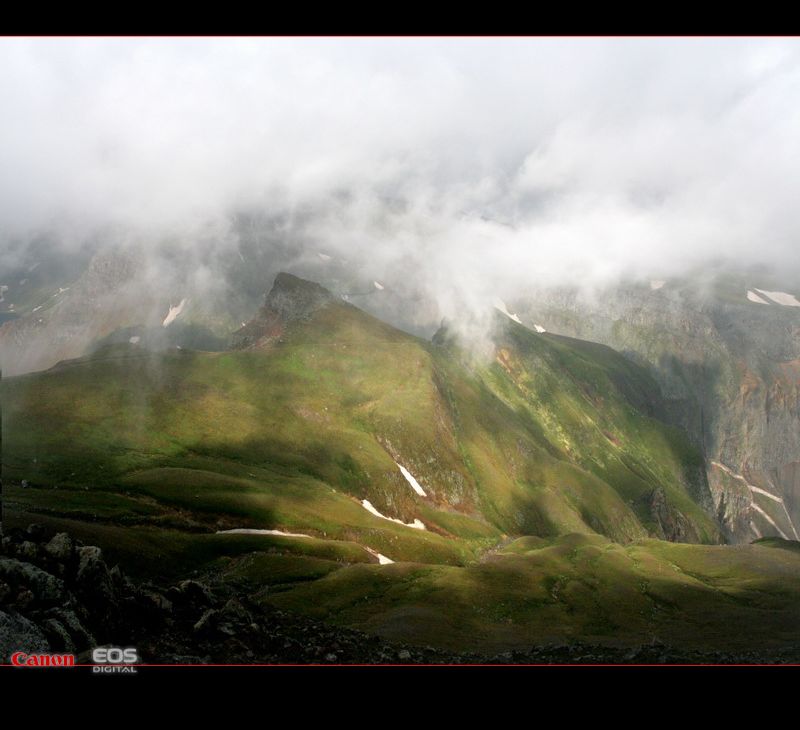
{"x":61,"y":547}
{"x":88,"y":557}
{"x":57,"y":635}
{"x":79,"y":634}
{"x":18,"y":633}
{"x":196,"y":592}
{"x":44,"y":587}
{"x":156,"y":599}
{"x":207,"y":621}
{"x":28,"y":550}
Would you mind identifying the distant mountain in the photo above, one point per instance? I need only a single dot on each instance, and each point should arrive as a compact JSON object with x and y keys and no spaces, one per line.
{"x":725,"y":350}
{"x":724,"y":347}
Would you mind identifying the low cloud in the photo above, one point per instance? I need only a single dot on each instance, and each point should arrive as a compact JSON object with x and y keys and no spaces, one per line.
{"x":458,"y":169}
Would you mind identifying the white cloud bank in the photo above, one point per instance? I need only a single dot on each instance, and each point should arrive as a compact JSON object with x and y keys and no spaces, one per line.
{"x":477,"y":166}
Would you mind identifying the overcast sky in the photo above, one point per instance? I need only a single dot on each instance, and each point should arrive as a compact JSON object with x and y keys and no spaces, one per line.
{"x":507,"y":159}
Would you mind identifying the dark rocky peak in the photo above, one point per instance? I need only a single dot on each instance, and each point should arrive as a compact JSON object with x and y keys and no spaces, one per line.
{"x":293,"y":298}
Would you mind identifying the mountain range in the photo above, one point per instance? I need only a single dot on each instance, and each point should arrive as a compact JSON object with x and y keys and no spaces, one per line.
{"x":620,"y":470}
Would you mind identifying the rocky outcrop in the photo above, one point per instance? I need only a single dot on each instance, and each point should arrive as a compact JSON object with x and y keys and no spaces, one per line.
{"x":672,"y":524}
{"x":291,"y":299}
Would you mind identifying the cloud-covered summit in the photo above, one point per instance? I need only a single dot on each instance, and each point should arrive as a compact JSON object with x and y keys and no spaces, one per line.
{"x":470,"y":165}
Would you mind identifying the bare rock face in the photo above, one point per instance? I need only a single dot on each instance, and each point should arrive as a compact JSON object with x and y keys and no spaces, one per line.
{"x":105,"y":297}
{"x":18,"y":633}
{"x":729,"y":370}
{"x":291,"y":299}
{"x":672,"y":524}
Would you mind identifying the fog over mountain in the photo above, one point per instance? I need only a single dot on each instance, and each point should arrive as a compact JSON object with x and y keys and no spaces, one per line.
{"x":485,"y":345}
{"x":467,"y":167}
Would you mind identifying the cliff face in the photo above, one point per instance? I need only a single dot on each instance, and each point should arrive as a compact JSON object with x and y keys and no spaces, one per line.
{"x":110,"y":293}
{"x":291,"y":299}
{"x":729,"y":368}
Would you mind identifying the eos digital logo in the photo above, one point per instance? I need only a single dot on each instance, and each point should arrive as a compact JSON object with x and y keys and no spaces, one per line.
{"x":113,"y":660}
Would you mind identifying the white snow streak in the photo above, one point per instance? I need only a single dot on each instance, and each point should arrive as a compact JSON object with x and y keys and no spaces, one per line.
{"x":367,"y":505}
{"x":656,"y":284}
{"x":382,"y":559}
{"x":501,"y":305}
{"x":413,"y":482}
{"x":173,"y":314}
{"x":758,"y":490}
{"x":378,"y":285}
{"x":539,"y":328}
{"x":780,"y":297}
{"x":769,"y":519}
{"x":248,"y":531}
{"x":753,"y":297}
{"x":754,"y":488}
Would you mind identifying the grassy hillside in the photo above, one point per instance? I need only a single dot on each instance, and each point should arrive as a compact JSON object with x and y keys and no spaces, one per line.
{"x":572,"y":587}
{"x":552,"y":442}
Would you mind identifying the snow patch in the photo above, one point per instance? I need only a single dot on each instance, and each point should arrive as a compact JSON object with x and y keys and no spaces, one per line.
{"x":753,"y":297}
{"x":382,"y":559}
{"x":413,"y":482}
{"x":378,"y":285}
{"x":729,"y":471}
{"x":134,"y":340}
{"x":769,"y":519}
{"x":780,"y":297}
{"x":367,"y":505}
{"x":501,"y":305}
{"x":656,"y":284}
{"x":248,"y":531}
{"x":173,"y":314}
{"x":758,"y":490}
{"x":539,"y":328}
{"x":35,"y":309}
{"x":324,"y":256}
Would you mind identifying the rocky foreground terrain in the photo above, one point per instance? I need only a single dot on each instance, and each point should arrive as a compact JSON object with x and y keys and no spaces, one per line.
{"x":58,"y":595}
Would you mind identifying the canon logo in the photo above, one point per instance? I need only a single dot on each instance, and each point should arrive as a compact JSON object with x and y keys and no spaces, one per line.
{"x":21,"y":659}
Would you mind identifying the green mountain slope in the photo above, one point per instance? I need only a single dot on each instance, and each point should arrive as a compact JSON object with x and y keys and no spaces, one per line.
{"x":156,"y":456}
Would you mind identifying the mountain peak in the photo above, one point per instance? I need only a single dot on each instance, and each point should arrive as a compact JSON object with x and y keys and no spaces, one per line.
{"x":290,"y":299}
{"x":293,"y":298}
